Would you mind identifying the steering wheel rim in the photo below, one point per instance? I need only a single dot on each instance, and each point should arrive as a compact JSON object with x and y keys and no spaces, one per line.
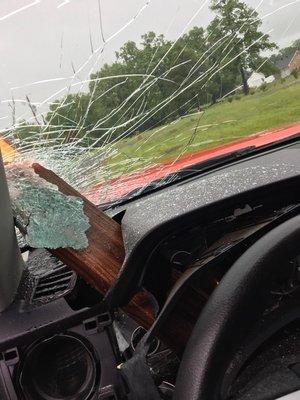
{"x":233,"y":309}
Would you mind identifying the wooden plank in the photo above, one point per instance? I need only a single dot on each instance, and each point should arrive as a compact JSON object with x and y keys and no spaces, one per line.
{"x":100,"y":263}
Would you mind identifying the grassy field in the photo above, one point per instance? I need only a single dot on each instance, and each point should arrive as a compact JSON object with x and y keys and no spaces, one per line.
{"x":278,"y":105}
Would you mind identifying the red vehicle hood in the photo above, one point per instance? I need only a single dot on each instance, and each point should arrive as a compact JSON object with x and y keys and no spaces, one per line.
{"x":118,"y":187}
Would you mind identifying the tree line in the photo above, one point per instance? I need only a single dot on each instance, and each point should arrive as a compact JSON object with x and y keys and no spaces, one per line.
{"x":159,"y":80}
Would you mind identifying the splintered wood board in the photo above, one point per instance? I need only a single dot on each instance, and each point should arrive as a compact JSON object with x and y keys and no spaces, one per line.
{"x":100,"y":263}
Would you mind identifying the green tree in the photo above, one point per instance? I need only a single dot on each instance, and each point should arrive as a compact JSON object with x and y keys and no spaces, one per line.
{"x":237,"y":27}
{"x":160,"y":77}
{"x":66,"y":118}
{"x":288,"y":51}
{"x":267,"y":67}
{"x":157,"y":80}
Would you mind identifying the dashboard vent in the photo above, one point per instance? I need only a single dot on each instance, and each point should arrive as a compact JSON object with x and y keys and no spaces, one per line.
{"x":45,"y":279}
{"x":56,"y":284}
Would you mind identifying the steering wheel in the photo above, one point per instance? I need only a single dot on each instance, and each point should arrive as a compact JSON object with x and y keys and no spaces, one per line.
{"x":231,"y":319}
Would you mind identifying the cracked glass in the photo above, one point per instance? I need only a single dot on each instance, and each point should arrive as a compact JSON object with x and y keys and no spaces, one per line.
{"x":45,"y":216}
{"x":116,"y":97}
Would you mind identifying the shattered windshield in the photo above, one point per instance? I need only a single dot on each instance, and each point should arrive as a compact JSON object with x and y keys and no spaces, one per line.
{"x":112,"y":95}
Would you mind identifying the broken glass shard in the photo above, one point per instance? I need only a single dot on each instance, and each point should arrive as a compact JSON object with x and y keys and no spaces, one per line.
{"x":44,"y":215}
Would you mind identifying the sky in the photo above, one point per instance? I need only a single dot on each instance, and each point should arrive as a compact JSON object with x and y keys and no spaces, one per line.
{"x":48,"y":46}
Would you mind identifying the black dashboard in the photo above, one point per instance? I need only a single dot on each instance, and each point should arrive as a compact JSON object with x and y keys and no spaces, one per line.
{"x":147,"y":221}
{"x":181,"y":241}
